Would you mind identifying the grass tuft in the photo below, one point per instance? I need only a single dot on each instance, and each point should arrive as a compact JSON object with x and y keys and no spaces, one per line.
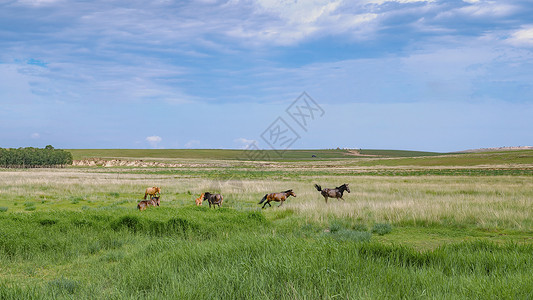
{"x":381,"y":228}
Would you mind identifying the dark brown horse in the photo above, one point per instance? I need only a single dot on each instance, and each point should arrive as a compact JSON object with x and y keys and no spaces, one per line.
{"x":214,"y":199}
{"x":278,"y":197}
{"x":333,"y":193}
{"x":154,"y":201}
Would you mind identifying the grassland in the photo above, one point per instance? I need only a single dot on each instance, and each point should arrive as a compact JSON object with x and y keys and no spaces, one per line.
{"x":228,"y":154}
{"x":445,"y":231}
{"x":211,"y":154}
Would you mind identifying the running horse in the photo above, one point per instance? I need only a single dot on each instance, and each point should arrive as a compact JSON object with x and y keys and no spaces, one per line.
{"x":213,"y":199}
{"x":333,"y":193}
{"x":278,"y":197}
{"x":152,"y":191}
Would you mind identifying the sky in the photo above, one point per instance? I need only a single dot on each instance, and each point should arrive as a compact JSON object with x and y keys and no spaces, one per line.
{"x":267,"y":74}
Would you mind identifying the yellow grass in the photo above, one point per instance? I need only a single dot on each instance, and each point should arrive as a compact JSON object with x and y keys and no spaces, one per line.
{"x":485,"y":201}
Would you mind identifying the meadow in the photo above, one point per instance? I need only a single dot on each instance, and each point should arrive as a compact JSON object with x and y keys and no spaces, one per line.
{"x":437,"y":226}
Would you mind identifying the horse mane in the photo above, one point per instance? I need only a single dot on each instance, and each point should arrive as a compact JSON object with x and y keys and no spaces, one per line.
{"x":342,"y":186}
{"x":287,"y":191}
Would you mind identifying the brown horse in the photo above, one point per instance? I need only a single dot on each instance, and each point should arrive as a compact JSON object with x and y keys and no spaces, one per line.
{"x":200,"y":199}
{"x":152,"y":191}
{"x":154,"y":201}
{"x":214,"y":199}
{"x":278,"y":197}
{"x":333,"y":193}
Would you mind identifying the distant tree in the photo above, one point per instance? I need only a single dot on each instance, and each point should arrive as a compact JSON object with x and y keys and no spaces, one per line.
{"x":30,"y":157}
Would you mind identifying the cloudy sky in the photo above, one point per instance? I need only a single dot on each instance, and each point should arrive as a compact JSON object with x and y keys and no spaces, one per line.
{"x":400,"y":74}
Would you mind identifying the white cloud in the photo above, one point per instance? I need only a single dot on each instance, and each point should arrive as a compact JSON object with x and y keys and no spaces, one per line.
{"x":192,"y":144}
{"x":291,"y":22}
{"x":38,"y":2}
{"x":522,"y":37}
{"x":153,"y":140}
{"x":481,"y":9}
{"x":244,"y":143}
{"x":35,"y":135}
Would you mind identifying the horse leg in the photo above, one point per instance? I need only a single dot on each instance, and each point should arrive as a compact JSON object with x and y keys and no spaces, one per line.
{"x":280,"y":204}
{"x":326,"y":198}
{"x":264,"y":204}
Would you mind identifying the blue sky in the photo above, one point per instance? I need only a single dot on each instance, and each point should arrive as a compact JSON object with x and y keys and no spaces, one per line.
{"x":404,"y":74}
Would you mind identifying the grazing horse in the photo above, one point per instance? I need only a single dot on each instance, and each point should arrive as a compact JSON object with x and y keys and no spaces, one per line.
{"x":200,"y":199}
{"x":333,"y":193}
{"x":278,"y":197}
{"x":214,"y":199}
{"x":154,"y":201}
{"x":152,"y":191}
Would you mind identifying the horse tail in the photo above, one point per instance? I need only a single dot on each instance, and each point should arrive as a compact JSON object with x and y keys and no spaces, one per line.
{"x":145,"y":194}
{"x":264,"y":198}
{"x":318,"y":188}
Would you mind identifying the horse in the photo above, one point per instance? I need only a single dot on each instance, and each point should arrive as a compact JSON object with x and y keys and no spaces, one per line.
{"x":200,"y":199}
{"x":214,"y":199}
{"x":152,"y":191}
{"x":278,"y":197}
{"x":154,"y":201}
{"x":333,"y":193}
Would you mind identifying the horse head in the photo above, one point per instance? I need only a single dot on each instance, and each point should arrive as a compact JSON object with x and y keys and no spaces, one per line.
{"x":346,"y":187}
{"x":290,"y":193}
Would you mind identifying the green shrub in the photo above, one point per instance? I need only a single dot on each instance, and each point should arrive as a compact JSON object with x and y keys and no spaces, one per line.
{"x":360,"y":227}
{"x":3,"y":209}
{"x":47,"y":222}
{"x":381,"y":228}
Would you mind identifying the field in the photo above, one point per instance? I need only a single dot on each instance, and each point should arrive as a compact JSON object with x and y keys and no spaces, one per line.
{"x":415,"y":225}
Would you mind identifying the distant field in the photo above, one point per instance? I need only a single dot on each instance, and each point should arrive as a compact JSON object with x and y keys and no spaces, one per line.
{"x":398,"y":153}
{"x":470,"y":159}
{"x":227,"y":154}
{"x":370,"y":157}
{"x":222,"y":154}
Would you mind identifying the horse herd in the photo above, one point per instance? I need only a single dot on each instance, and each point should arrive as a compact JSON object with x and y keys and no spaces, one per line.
{"x":217,"y":199}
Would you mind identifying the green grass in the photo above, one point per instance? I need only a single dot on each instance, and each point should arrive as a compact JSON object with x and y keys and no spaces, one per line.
{"x":467,"y":159}
{"x":398,"y":153}
{"x":221,"y":154}
{"x":377,"y":158}
{"x":192,"y":253}
{"x":228,"y":154}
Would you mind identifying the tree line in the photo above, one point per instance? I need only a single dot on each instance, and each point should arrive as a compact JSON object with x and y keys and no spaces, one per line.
{"x":30,"y":157}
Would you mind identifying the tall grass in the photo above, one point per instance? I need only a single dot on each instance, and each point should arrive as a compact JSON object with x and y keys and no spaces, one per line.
{"x":225,"y":254}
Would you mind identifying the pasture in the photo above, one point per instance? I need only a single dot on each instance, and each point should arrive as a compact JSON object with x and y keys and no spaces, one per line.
{"x":438,"y":226}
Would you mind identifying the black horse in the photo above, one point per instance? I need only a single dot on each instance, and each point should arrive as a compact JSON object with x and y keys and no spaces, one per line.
{"x":214,"y":199}
{"x":333,"y":193}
